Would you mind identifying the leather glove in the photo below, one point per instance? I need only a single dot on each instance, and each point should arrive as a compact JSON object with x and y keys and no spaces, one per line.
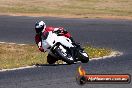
{"x":65,"y":32}
{"x":59,"y":32}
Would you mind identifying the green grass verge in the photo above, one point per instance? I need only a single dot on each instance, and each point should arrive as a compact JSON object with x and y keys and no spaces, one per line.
{"x":14,"y":55}
{"x":82,"y":8}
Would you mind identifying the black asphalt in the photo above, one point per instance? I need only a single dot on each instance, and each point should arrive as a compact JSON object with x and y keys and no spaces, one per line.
{"x":115,"y":34}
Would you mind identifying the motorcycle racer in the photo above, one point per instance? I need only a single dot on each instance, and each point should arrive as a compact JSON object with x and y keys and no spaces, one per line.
{"x":41,"y":31}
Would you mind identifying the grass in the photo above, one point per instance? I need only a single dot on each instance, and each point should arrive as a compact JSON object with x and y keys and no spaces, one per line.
{"x":81,"y":8}
{"x":95,"y":52}
{"x":14,"y":55}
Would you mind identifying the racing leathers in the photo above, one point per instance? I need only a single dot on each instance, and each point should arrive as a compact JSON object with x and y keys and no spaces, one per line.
{"x":60,"y":30}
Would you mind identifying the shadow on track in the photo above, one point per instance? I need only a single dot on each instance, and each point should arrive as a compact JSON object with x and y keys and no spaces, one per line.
{"x":52,"y":64}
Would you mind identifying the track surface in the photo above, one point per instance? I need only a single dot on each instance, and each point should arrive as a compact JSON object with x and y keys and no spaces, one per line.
{"x":115,"y":34}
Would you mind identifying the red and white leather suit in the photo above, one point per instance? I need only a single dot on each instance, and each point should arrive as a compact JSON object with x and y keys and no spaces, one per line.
{"x":38,"y":37}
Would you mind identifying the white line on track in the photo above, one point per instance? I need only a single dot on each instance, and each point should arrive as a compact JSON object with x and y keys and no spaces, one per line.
{"x":11,"y":43}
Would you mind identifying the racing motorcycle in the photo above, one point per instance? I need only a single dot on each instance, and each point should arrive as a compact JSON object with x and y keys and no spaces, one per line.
{"x":63,"y":48}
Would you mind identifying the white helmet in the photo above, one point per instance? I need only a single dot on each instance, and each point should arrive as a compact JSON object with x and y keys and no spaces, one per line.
{"x":40,"y":26}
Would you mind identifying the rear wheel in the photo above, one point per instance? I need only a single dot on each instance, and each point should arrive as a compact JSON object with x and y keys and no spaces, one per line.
{"x":64,"y":54}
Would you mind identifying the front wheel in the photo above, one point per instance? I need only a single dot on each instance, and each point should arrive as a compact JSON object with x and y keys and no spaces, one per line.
{"x":83,"y":56}
{"x":64,"y":54}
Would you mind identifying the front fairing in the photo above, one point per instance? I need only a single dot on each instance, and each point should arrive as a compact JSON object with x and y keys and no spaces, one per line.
{"x":52,"y":39}
{"x":48,"y":40}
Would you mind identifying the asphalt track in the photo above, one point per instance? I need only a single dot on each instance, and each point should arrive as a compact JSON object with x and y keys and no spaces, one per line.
{"x":115,"y":34}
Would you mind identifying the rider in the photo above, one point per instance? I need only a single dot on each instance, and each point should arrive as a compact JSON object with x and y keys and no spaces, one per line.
{"x":42,"y":30}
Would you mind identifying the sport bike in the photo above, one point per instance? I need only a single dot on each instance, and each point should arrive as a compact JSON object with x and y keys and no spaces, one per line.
{"x":63,"y":48}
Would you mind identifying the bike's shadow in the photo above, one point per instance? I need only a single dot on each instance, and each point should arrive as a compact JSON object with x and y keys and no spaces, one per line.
{"x":52,"y":64}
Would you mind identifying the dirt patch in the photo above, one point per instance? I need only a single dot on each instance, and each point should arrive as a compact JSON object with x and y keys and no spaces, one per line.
{"x":110,"y":9}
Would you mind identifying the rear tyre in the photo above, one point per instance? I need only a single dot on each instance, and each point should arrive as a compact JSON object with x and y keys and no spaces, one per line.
{"x":64,"y":54}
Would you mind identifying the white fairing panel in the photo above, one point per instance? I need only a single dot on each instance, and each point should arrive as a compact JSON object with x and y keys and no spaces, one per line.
{"x":63,"y":41}
{"x":53,"y":38}
{"x":48,"y":42}
{"x":85,"y":54}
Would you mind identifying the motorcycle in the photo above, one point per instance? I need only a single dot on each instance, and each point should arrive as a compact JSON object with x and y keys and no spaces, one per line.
{"x":63,"y":48}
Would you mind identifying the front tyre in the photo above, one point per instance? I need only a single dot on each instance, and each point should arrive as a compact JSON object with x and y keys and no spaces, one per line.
{"x":83,"y":56}
{"x":64,"y":54}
